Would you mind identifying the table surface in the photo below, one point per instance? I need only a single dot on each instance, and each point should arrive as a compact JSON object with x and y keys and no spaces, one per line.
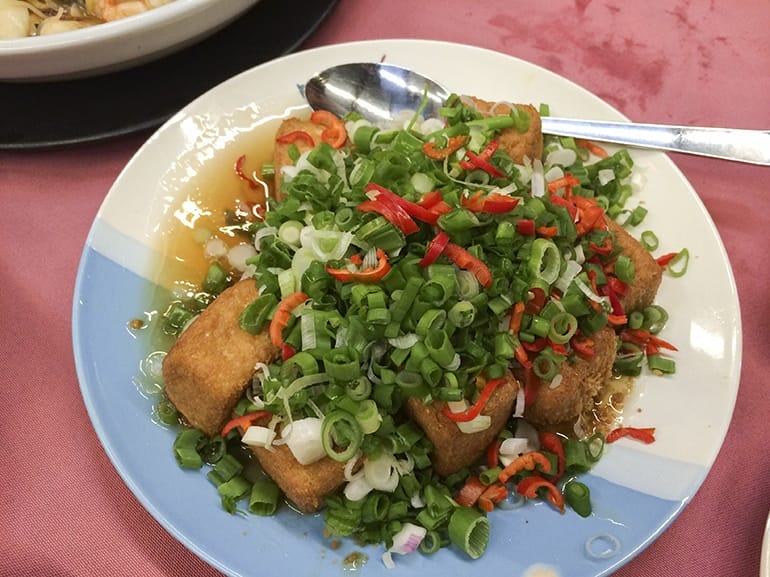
{"x":63,"y":508}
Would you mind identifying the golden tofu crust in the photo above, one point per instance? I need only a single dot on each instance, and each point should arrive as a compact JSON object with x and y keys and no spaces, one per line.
{"x":208,"y":368}
{"x":518,"y":145}
{"x":281,"y":156}
{"x":648,"y":275}
{"x":581,"y":380}
{"x":453,"y":449}
{"x":305,"y":486}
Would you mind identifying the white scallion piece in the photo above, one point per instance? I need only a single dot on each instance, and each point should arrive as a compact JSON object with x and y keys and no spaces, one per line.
{"x":571,"y":270}
{"x":382,"y":473}
{"x":257,"y":436}
{"x":406,"y":541}
{"x":605,"y":175}
{"x":303,"y":437}
{"x":239,"y":254}
{"x":215,"y":248}
{"x":357,"y":488}
{"x":538,"y":179}
{"x":475,"y":425}
{"x":561,"y":157}
{"x":555,"y":382}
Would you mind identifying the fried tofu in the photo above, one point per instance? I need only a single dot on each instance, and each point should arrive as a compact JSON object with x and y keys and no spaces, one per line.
{"x":580,"y":383}
{"x":209,"y":367}
{"x":453,"y":449}
{"x":648,"y":275}
{"x":582,"y":380}
{"x":305,"y":486}
{"x":281,"y":156}
{"x":518,"y":145}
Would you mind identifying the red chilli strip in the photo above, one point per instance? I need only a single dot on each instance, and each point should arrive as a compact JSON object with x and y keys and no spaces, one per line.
{"x":391,"y":211}
{"x":243,"y":422}
{"x":496,"y":203}
{"x":568,"y":181}
{"x":493,"y":494}
{"x":467,"y":261}
{"x":552,"y":443}
{"x":474,"y":203}
{"x":583,"y":346}
{"x":592,"y":147}
{"x":529,"y":487}
{"x":642,"y":337}
{"x":291,"y":137}
{"x":435,"y":248}
{"x":287,"y":351}
{"x":645,"y":435}
{"x":485,"y":165}
{"x":243,"y":176}
{"x":665,"y":259}
{"x":475,"y":409}
{"x":609,"y":292}
{"x":526,"y":226}
{"x":412,"y":208}
{"x":561,"y":201}
{"x":493,"y":453}
{"x":429,"y":199}
{"x":547,"y":231}
{"x":470,"y":492}
{"x":489,"y":149}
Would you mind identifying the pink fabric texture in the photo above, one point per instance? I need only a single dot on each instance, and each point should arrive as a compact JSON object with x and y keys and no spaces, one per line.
{"x":64,"y":511}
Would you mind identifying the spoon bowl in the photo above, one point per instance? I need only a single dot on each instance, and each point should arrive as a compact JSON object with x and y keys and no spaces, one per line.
{"x":375,"y":91}
{"x":378,"y":91}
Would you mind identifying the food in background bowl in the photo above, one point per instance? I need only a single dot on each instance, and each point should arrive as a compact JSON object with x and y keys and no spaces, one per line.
{"x":21,"y":18}
{"x":131,"y":32}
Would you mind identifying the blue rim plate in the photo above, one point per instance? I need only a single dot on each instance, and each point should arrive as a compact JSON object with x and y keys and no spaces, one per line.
{"x":638,"y":489}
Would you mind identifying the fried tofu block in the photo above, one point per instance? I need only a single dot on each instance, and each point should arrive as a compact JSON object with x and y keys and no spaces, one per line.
{"x":453,"y":449}
{"x":305,"y":486}
{"x":518,"y":145}
{"x":648,"y":274}
{"x":580,"y":383}
{"x":208,"y":368}
{"x":281,"y":151}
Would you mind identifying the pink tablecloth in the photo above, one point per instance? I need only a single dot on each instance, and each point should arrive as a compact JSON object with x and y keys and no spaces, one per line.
{"x":63,"y":509}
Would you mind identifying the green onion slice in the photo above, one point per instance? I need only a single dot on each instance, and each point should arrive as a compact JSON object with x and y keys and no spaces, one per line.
{"x":469,"y":530}
{"x":341,"y":435}
{"x":545,"y":260}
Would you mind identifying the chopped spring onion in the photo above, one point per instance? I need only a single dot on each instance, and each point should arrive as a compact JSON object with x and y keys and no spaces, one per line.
{"x":289,"y":232}
{"x":233,"y":491}
{"x":186,"y":448}
{"x":545,"y":260}
{"x":369,"y":417}
{"x":469,"y":530}
{"x":578,"y":496}
{"x":341,"y":435}
{"x":264,"y":498}
{"x":677,"y":266}
{"x":649,"y":240}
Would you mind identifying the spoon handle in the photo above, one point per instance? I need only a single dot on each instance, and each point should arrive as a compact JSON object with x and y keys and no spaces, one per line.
{"x":751,"y":146}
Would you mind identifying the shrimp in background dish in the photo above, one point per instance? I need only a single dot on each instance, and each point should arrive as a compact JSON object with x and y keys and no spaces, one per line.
{"x":116,"y":9}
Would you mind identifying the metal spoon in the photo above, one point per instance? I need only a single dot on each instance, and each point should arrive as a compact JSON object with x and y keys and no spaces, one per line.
{"x":378,"y":91}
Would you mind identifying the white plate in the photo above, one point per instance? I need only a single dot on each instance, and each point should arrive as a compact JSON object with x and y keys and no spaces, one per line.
{"x":115,"y":45}
{"x":638,"y":489}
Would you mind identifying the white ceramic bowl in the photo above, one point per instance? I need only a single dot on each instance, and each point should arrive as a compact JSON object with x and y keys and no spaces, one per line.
{"x":114,"y":45}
